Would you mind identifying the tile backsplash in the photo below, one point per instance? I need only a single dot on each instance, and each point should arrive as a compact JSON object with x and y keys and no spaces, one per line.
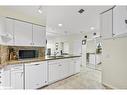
{"x":5,"y":50}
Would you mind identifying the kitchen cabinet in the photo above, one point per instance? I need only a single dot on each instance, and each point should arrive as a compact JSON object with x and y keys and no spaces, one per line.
{"x":54,"y":70}
{"x":0,"y":77}
{"x":5,"y":78}
{"x":62,"y":68}
{"x":9,"y":32}
{"x":58,"y":69}
{"x":106,"y":24}
{"x":35,"y":75}
{"x":77,"y":62}
{"x":120,"y":20}
{"x":22,"y":33}
{"x":17,"y":76}
{"x":2,"y":29}
{"x":71,"y":67}
{"x":39,"y":35}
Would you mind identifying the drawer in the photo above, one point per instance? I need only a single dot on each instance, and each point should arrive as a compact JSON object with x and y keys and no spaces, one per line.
{"x":16,"y":67}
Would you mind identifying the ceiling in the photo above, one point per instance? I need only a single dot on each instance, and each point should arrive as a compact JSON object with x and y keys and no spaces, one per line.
{"x":72,"y":21}
{"x":29,"y":12}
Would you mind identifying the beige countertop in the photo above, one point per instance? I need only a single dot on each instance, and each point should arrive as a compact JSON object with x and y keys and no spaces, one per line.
{"x":37,"y":60}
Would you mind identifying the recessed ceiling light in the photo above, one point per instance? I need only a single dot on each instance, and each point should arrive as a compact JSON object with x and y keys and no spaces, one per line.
{"x":92,"y":28}
{"x":60,"y":25}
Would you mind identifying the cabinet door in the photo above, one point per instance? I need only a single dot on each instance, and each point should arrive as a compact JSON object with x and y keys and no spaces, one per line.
{"x":54,"y":73}
{"x":17,"y":79}
{"x":35,"y":75}
{"x":120,"y":20}
{"x":71,"y":67}
{"x":2,"y":28}
{"x":43,"y":80}
{"x":23,"y":33}
{"x":77,"y":62}
{"x":64,"y":68}
{"x":5,"y":78}
{"x":9,"y":31}
{"x":106,"y":24}
{"x":39,"y":35}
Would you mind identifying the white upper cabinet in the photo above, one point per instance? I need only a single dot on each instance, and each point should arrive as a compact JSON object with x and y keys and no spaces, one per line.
{"x":39,"y":35}
{"x":9,"y":40}
{"x":2,"y":29}
{"x":106,"y":24}
{"x":120,"y":20}
{"x":23,"y":33}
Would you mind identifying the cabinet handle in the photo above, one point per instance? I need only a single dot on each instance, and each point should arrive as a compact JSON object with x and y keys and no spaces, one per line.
{"x":36,"y":64}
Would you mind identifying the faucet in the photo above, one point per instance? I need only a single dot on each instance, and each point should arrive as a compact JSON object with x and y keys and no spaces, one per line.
{"x":55,"y":53}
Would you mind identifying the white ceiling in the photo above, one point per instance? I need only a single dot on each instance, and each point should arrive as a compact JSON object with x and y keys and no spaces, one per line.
{"x":29,"y":11}
{"x":72,"y":21}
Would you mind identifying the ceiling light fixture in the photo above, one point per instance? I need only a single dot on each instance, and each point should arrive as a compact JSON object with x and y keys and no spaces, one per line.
{"x":60,"y":25}
{"x":40,"y":10}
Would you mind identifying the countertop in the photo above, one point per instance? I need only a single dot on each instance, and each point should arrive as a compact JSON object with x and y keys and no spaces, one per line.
{"x":37,"y":59}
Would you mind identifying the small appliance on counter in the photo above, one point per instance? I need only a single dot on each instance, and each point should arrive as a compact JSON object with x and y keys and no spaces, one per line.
{"x":25,"y":54}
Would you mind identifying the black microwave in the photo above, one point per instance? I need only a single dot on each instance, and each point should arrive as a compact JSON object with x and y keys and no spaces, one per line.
{"x":24,"y":54}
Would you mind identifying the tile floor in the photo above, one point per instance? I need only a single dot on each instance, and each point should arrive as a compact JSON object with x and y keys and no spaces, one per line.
{"x":86,"y":79}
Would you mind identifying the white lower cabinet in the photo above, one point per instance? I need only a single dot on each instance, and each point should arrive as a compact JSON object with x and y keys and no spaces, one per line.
{"x":62,"y":68}
{"x":77,"y":64}
{"x":5,"y":78}
{"x":53,"y":70}
{"x":35,"y":75}
{"x":17,"y":77}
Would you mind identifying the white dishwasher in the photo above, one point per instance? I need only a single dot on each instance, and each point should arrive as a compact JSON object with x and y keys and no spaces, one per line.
{"x":35,"y":75}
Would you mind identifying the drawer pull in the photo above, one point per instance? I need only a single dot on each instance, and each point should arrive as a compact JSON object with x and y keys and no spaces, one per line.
{"x":36,"y":64}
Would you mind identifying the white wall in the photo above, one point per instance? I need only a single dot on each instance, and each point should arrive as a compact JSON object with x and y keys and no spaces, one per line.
{"x":91,"y":46}
{"x":114,"y":71}
{"x":74,"y":42}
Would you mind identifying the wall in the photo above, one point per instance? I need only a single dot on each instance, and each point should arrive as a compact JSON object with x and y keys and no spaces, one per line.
{"x":114,"y":70}
{"x":4,"y":52}
{"x":74,"y":42}
{"x":91,"y":46}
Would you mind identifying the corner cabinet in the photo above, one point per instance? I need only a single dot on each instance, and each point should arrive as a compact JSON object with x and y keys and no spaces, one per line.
{"x":39,"y":35}
{"x":22,"y":33}
{"x":106,"y":24}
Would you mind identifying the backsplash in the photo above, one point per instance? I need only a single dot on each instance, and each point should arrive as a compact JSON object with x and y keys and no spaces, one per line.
{"x":5,"y":50}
